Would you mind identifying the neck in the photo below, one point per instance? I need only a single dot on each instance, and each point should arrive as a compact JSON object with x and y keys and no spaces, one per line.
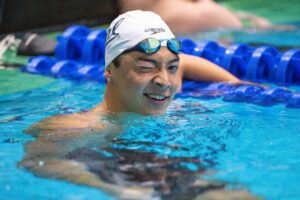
{"x":111,"y":101}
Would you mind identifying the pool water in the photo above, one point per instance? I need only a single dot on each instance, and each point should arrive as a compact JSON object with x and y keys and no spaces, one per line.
{"x":240,"y":146}
{"x":243,"y":145}
{"x":271,"y":11}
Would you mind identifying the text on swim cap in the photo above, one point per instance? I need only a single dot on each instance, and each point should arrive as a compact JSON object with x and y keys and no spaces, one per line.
{"x":155,"y":30}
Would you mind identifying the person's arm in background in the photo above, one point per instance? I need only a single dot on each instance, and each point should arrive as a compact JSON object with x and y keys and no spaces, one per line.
{"x":200,"y":69}
{"x":186,"y":16}
{"x":200,"y":15}
{"x":254,"y":21}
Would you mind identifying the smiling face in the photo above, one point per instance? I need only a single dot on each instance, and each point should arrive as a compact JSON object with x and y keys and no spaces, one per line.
{"x":143,"y":84}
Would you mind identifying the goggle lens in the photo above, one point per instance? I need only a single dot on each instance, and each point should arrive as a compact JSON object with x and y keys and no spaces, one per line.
{"x":174,"y":45}
{"x":152,"y":45}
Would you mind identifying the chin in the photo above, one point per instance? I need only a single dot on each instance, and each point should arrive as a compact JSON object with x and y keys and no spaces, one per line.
{"x":154,"y":112}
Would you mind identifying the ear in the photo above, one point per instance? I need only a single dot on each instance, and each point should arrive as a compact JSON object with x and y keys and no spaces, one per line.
{"x":108,"y":73}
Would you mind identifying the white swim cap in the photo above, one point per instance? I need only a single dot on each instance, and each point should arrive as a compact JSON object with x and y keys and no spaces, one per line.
{"x":130,"y":28}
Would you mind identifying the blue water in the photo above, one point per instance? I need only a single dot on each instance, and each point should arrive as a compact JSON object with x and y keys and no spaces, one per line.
{"x":17,"y":112}
{"x":245,"y":145}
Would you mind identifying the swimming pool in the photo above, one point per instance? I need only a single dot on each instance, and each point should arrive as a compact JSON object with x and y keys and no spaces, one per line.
{"x":236,"y":146}
{"x":246,"y":146}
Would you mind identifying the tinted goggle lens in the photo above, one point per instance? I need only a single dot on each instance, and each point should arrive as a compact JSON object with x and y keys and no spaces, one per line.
{"x":174,"y":45}
{"x":151,"y":45}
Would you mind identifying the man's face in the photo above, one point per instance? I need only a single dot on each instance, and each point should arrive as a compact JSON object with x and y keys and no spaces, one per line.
{"x":145,"y":84}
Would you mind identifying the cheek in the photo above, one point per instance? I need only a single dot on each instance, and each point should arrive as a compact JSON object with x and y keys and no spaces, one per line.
{"x":135,"y":83}
{"x":177,"y":83}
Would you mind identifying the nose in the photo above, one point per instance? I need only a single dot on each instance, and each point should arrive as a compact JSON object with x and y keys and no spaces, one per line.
{"x":161,"y":80}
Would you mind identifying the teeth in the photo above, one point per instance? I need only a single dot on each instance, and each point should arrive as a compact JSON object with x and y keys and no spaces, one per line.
{"x":156,"y":97}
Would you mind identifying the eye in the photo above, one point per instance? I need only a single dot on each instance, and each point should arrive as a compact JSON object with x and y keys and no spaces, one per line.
{"x":173,"y":68}
{"x":146,"y":68}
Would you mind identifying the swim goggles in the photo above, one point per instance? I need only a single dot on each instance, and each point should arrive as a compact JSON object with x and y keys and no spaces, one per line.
{"x":152,"y":45}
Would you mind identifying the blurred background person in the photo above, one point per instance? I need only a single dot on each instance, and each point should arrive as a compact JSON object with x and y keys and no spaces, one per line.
{"x":186,"y":16}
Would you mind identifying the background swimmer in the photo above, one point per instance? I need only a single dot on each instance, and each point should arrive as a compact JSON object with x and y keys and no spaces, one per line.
{"x":201,"y":15}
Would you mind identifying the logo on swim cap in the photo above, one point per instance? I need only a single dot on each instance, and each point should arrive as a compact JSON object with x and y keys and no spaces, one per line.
{"x":155,"y":30}
{"x":111,"y":32}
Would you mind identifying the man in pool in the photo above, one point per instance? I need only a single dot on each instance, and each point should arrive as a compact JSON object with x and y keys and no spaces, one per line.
{"x":144,"y":70}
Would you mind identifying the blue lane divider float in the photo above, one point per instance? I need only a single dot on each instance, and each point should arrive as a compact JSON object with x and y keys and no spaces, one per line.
{"x":288,"y":70}
{"x":241,"y":93}
{"x":65,"y":69}
{"x":261,"y":64}
{"x":294,"y":101}
{"x":79,"y":55}
{"x":39,"y":65}
{"x":70,"y":43}
{"x":235,"y":59}
{"x":81,"y":44}
{"x":94,"y":47}
{"x":244,"y":93}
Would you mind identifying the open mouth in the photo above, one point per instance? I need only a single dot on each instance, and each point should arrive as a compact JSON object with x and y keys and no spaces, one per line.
{"x":156,"y":97}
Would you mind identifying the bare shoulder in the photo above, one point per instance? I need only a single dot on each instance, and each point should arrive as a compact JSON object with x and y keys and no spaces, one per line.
{"x":76,"y":122}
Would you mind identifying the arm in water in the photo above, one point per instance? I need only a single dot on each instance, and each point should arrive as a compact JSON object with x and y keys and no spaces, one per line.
{"x":59,"y":135}
{"x":137,"y":175}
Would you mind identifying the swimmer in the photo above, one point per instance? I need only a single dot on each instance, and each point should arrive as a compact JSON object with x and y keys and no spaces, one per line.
{"x":144,"y":70}
{"x":187,"y":16}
